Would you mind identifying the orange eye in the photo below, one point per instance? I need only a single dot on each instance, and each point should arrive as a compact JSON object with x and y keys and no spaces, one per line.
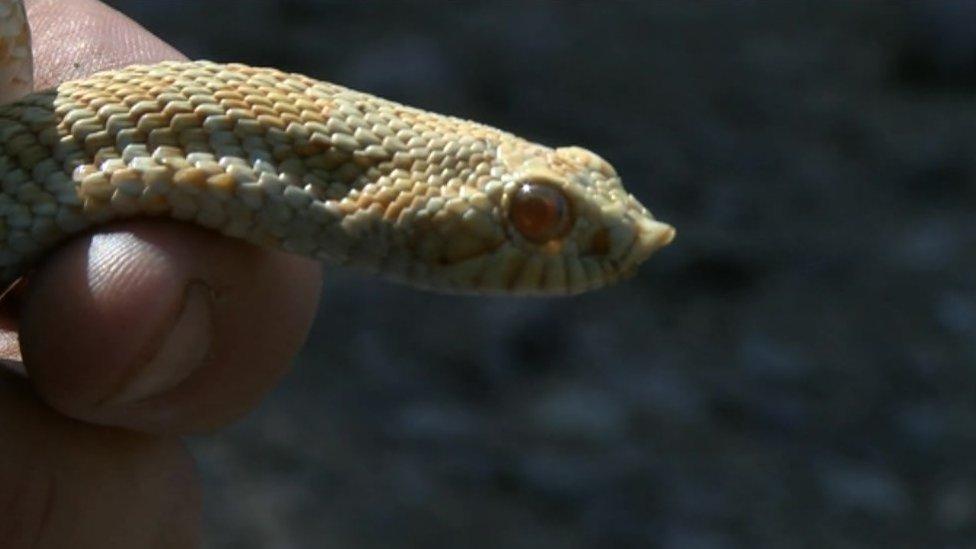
{"x":540,"y":212}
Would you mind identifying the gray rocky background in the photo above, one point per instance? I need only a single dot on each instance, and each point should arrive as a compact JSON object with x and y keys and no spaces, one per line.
{"x":797,"y":370}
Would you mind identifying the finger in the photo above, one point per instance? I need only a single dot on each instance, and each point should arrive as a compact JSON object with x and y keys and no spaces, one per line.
{"x":67,"y":484}
{"x":74,"y":38}
{"x":153,"y":325}
{"x":71,"y":39}
{"x":163,"y":327}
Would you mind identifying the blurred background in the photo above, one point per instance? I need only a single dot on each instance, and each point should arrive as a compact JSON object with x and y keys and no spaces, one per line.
{"x":796,"y":370}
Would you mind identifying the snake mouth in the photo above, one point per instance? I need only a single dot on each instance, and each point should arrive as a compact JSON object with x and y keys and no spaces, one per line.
{"x":512,"y":269}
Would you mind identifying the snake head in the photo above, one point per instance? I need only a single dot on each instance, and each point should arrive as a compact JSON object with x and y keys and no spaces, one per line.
{"x":551,"y":221}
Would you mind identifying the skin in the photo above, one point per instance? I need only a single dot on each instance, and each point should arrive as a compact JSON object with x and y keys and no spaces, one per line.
{"x":130,"y":337}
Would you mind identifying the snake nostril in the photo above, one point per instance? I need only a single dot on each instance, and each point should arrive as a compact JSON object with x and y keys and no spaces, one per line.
{"x":600,"y":243}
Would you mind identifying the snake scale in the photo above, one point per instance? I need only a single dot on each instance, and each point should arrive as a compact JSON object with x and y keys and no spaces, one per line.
{"x":310,"y":167}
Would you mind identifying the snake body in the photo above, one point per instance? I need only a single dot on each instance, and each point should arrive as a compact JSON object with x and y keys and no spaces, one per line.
{"x":311,"y":167}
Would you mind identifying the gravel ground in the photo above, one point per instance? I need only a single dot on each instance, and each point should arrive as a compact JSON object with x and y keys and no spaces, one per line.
{"x":795,"y":371}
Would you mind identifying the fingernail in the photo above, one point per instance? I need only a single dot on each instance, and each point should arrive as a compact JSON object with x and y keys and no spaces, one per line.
{"x":184,"y":349}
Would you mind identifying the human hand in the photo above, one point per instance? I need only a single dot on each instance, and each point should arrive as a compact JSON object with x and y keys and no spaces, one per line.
{"x":130,"y":336}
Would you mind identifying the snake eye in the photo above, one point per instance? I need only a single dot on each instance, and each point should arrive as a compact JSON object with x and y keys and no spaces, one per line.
{"x":540,"y":212}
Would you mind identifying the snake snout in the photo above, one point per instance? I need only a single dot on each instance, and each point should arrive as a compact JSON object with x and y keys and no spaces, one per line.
{"x":650,"y":235}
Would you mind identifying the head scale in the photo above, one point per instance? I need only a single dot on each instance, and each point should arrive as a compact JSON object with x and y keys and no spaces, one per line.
{"x":520,"y":218}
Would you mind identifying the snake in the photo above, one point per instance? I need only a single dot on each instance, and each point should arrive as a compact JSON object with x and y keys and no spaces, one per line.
{"x":310,"y":167}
